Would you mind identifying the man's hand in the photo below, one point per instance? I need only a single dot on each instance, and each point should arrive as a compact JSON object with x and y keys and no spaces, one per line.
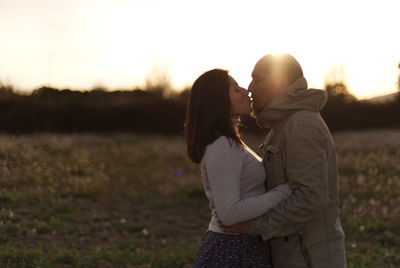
{"x":238,"y":228}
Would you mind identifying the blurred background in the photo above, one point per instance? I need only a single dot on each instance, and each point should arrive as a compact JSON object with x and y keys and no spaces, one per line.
{"x":93,"y":165}
{"x":127,"y":65}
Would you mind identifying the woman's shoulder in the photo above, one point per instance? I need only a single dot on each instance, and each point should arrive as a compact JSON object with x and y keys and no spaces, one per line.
{"x":223,"y":142}
{"x":222,"y":150}
{"x":222,"y":145}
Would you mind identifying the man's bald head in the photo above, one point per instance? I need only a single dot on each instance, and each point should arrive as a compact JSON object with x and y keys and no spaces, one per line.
{"x":281,"y":66}
{"x":272,"y":74}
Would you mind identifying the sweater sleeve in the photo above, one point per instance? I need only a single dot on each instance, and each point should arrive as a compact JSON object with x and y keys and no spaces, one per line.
{"x":224,"y":164}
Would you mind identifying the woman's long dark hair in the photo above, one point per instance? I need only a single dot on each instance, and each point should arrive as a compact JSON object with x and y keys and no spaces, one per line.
{"x":208,"y":113}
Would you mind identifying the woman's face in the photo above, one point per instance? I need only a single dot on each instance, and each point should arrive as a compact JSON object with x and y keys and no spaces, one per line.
{"x":240,"y":101}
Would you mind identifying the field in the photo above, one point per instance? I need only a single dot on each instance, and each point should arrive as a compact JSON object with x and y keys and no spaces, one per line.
{"x":127,"y":200}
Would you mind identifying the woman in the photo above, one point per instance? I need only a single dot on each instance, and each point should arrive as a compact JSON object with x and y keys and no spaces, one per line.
{"x":233,"y":175}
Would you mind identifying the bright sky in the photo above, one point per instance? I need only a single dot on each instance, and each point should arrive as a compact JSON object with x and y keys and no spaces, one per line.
{"x":117,"y":43}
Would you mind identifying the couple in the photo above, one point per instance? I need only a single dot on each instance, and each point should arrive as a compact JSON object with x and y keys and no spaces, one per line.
{"x":279,"y":211}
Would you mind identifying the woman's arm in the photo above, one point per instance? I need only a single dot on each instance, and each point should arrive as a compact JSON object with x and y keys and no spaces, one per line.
{"x":224,"y":162}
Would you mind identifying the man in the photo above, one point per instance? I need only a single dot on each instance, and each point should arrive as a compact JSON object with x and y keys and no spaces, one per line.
{"x":304,"y":229}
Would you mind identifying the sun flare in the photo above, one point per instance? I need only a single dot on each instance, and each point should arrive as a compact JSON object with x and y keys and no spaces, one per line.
{"x":118,"y":42}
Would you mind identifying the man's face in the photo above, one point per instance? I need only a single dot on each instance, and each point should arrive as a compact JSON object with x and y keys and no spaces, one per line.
{"x":264,"y":87}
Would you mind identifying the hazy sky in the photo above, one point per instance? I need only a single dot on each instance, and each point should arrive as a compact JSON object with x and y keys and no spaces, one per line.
{"x":118,"y":43}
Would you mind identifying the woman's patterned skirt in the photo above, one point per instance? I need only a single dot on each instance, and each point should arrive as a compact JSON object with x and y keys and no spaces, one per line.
{"x":233,"y":251}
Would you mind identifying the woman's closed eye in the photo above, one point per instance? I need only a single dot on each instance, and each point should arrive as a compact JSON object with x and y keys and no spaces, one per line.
{"x":241,"y":90}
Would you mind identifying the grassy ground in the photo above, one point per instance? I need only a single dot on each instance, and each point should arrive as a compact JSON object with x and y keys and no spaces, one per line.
{"x":137,"y":201}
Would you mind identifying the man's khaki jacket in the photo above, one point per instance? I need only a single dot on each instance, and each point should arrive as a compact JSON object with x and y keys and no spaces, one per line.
{"x":305,"y":228}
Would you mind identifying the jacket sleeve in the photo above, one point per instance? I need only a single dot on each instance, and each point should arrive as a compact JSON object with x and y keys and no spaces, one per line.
{"x":307,"y":173}
{"x":224,"y":163}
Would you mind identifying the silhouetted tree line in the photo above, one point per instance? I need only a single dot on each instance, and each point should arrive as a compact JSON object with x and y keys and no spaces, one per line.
{"x":155,"y":111}
{"x":398,"y":86}
{"x":51,"y":110}
{"x":343,"y":111}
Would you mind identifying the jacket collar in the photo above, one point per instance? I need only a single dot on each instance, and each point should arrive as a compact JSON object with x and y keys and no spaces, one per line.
{"x":296,"y":96}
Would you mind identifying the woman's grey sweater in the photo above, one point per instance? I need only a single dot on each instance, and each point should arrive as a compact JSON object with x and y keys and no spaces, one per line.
{"x":233,"y":179}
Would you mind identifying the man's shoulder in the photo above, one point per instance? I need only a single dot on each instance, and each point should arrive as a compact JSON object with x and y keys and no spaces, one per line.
{"x":305,"y":118}
{"x":305,"y":122}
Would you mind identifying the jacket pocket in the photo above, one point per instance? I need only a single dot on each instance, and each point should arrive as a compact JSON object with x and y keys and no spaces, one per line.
{"x":274,"y":166}
{"x":287,"y":252}
{"x":273,"y":149}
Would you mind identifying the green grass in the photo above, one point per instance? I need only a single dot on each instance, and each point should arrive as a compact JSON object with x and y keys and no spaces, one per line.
{"x":137,"y":201}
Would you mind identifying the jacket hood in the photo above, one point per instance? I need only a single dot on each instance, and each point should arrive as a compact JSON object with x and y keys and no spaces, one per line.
{"x":296,"y":96}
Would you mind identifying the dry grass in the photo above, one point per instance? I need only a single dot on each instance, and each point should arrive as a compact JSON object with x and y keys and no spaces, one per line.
{"x":137,"y":201}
